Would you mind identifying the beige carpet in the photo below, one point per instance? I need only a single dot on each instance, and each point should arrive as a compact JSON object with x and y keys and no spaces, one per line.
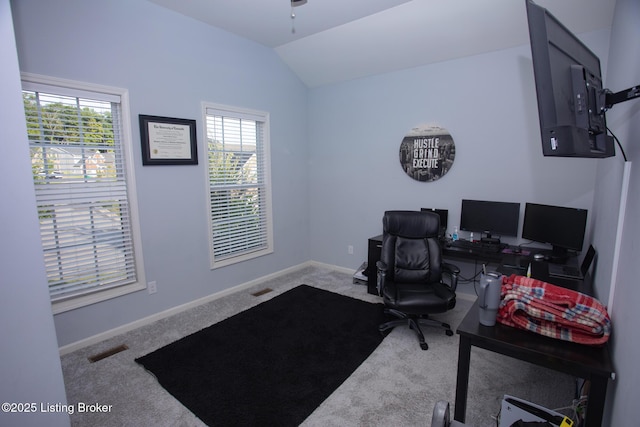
{"x":397,"y":385}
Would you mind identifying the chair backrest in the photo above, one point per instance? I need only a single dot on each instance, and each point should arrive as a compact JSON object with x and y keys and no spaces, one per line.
{"x":410,"y":246}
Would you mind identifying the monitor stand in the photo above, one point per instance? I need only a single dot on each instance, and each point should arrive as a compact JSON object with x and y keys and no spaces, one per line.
{"x":490,"y":240}
{"x":559,"y":255}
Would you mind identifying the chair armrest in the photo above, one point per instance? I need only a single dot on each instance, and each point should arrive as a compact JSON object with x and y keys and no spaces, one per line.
{"x":382,"y":276}
{"x":453,"y":271}
{"x":450,"y":268}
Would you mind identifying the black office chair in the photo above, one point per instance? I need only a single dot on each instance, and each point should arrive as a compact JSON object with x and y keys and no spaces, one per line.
{"x":410,"y":272}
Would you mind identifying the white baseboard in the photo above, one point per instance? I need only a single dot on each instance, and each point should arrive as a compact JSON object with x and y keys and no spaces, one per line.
{"x":66,"y":349}
{"x":332,"y":267}
{"x":180,"y":308}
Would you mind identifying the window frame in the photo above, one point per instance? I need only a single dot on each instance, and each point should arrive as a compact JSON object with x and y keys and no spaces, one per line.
{"x":258,"y":116}
{"x":92,"y":296}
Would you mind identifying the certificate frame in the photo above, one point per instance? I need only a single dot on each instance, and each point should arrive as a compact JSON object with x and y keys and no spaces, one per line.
{"x":168,"y":141}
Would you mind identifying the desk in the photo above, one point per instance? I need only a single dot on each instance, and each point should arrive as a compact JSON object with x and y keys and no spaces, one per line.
{"x":475,"y":254}
{"x":373,"y":256}
{"x":589,"y":363}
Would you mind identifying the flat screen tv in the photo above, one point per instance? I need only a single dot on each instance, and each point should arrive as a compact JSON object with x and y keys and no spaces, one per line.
{"x":561,"y":227}
{"x":571,"y":98}
{"x":490,"y":218}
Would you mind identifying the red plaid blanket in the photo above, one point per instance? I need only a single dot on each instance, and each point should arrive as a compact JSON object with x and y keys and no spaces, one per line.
{"x":553,"y":311}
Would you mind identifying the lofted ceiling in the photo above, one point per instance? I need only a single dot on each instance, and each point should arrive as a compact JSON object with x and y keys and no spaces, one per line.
{"x":335,"y":40}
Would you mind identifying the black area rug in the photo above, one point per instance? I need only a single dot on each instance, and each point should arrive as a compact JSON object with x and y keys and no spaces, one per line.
{"x":272,"y":364}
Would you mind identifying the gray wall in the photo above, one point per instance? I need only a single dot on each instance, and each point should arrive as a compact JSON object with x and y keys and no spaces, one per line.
{"x":624,"y":121}
{"x":170,"y":64}
{"x":30,"y":370}
{"x":487,"y":103}
{"x":334,"y":157}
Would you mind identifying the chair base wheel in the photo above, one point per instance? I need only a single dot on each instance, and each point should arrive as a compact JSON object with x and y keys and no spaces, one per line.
{"x":414,"y":323}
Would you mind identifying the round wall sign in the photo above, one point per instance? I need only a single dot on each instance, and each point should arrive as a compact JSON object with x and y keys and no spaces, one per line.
{"x":427,"y":153}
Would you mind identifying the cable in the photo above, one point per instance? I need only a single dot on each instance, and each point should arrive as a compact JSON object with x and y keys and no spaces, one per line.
{"x":624,"y":156}
{"x":577,"y":410}
{"x":472,"y":279}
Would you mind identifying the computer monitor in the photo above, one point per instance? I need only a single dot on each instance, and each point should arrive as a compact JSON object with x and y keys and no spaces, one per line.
{"x":561,"y":227}
{"x":571,"y":98}
{"x":500,"y":218}
{"x":444,"y":218}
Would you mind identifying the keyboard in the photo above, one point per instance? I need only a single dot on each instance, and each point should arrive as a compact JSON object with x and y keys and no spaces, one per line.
{"x":477,"y":246}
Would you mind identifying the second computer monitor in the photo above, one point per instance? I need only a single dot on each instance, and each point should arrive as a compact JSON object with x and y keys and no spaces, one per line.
{"x":562,"y":227}
{"x":444,"y":217}
{"x":491,"y":218}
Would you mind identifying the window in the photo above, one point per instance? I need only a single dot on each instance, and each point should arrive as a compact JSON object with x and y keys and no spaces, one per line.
{"x":239,"y":190}
{"x":80,"y":159}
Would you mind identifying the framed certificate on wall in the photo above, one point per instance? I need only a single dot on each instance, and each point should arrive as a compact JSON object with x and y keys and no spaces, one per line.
{"x":168,"y":141}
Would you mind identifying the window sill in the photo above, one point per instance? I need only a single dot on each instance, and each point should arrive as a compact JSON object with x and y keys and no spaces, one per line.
{"x":73,"y":303}
{"x":236,"y":259}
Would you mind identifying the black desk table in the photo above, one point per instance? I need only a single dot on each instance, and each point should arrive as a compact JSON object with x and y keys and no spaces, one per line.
{"x":586,"y":362}
{"x":589,"y":363}
{"x":449,"y":250}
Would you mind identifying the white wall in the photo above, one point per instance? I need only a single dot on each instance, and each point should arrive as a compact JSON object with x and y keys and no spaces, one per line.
{"x":30,"y":370}
{"x":170,"y":64}
{"x":487,"y":102}
{"x":624,"y":119}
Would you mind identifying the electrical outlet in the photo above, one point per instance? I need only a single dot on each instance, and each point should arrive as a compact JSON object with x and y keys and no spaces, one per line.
{"x":350,"y":249}
{"x":152,"y":287}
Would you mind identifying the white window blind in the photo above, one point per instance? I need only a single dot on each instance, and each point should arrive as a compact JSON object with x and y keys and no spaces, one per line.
{"x":238,"y":183}
{"x":80,"y":177}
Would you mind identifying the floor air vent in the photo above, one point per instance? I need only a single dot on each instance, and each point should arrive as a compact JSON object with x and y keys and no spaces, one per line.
{"x":107,"y":353}
{"x":262,"y":292}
